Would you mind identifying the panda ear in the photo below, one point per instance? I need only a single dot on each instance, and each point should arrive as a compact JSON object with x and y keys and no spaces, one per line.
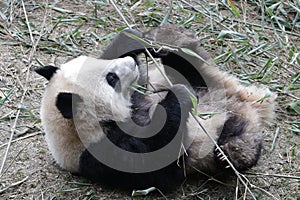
{"x":67,"y":103}
{"x":46,"y":71}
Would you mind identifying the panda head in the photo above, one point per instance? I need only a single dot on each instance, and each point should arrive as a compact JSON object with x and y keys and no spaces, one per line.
{"x":84,"y":84}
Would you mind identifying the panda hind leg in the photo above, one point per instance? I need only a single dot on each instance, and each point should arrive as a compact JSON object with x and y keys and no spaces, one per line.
{"x":241,"y":148}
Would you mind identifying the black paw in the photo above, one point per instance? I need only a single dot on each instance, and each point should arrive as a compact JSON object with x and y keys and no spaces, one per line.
{"x":242,"y":151}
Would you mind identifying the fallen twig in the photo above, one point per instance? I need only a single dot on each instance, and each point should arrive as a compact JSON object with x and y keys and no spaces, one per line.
{"x":13,"y":185}
{"x":21,"y":138}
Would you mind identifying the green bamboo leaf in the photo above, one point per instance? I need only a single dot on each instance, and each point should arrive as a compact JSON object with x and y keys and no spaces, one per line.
{"x":257,"y":48}
{"x":295,"y":129}
{"x":139,"y":89}
{"x":195,"y":104}
{"x":166,"y":18}
{"x":294,"y":107}
{"x":193,"y":53}
{"x":38,"y":121}
{"x":234,"y":9}
{"x":137,"y":38}
{"x":9,"y":93}
{"x":209,"y":114}
{"x":274,"y":6}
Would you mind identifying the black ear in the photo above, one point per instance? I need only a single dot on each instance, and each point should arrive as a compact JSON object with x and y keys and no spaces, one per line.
{"x":46,"y":71}
{"x":66,"y":103}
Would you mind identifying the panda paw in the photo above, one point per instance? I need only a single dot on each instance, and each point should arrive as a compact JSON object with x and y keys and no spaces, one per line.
{"x":242,"y":151}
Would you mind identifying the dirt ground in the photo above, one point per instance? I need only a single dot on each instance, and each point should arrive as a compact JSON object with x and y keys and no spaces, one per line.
{"x":33,"y":33}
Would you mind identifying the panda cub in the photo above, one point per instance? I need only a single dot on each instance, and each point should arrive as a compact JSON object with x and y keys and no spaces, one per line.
{"x":94,"y":124}
{"x":88,"y":109}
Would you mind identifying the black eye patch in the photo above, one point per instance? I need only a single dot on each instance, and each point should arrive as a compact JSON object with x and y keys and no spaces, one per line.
{"x":112,"y":79}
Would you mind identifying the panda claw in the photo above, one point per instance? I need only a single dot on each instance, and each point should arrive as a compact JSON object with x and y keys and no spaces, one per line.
{"x":223,"y":158}
{"x":219,"y":154}
{"x":217,"y":149}
{"x":227,"y":166}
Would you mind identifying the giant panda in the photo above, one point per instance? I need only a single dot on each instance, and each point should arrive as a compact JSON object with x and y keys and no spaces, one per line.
{"x":87,"y":106}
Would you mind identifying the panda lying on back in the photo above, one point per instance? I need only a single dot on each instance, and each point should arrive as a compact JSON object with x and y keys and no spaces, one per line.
{"x":82,"y":104}
{"x":88,"y":109}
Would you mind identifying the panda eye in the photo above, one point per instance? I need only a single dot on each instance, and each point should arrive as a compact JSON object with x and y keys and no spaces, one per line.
{"x":112,"y":79}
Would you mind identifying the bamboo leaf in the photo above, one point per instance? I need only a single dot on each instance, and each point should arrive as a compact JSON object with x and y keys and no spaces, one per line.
{"x":139,"y":89}
{"x":137,"y":38}
{"x":6,"y":96}
{"x":166,"y":18}
{"x":193,"y":53}
{"x":195,"y":104}
{"x":234,"y":9}
{"x":294,"y":107}
{"x":209,"y":114}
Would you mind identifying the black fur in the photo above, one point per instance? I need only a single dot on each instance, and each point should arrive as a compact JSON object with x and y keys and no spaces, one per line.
{"x":234,"y":126}
{"x":176,"y":62}
{"x":164,"y":179}
{"x":177,"y":101}
{"x":241,"y":148}
{"x":114,"y":81}
{"x":184,"y":68}
{"x":66,"y":103}
{"x":46,"y":71}
{"x":122,"y":44}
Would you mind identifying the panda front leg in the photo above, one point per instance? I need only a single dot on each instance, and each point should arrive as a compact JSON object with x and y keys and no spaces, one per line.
{"x":173,"y":111}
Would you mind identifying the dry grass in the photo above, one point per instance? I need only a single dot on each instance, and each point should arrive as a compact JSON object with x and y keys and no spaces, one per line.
{"x":258,"y":41}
